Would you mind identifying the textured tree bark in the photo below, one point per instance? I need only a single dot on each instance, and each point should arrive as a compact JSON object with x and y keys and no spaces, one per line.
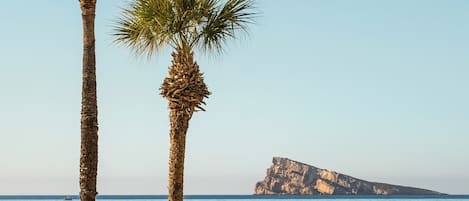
{"x":179,"y":124}
{"x":185,"y":90}
{"x":89,"y":108}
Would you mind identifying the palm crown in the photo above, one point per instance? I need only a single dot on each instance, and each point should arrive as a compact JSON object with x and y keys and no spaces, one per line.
{"x":149,"y":25}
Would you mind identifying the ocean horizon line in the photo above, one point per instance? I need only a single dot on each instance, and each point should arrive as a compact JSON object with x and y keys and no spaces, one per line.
{"x":238,"y":196}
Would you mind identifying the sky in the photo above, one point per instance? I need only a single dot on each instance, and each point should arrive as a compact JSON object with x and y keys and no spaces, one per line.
{"x":372,"y":89}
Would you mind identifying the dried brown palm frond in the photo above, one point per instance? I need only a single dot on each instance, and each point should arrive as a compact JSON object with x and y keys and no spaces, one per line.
{"x":184,"y":87}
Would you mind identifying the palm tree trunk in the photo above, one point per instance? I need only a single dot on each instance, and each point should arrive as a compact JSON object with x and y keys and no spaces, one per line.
{"x":185,"y":90}
{"x":89,"y":108}
{"x":179,"y":124}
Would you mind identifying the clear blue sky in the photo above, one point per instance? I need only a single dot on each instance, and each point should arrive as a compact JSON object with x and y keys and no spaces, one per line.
{"x":373,"y":89}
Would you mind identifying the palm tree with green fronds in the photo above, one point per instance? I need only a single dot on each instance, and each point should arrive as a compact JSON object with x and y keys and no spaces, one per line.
{"x":148,"y":26}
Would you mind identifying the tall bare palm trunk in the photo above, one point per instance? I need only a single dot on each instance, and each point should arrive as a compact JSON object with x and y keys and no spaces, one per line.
{"x":185,"y":90}
{"x":179,"y":124}
{"x":89,"y":108}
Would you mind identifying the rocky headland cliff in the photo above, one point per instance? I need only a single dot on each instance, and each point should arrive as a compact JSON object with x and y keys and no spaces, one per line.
{"x":288,"y":177}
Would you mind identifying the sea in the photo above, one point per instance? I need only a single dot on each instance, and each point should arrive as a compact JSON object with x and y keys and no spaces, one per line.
{"x":239,"y":198}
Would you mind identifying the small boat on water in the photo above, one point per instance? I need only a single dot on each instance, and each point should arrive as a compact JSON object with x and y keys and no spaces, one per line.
{"x":68,"y":197}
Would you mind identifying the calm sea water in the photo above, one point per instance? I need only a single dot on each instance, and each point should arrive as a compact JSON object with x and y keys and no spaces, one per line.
{"x":237,"y":198}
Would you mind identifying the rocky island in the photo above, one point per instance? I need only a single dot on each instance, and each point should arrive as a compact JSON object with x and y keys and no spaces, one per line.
{"x":288,"y":177}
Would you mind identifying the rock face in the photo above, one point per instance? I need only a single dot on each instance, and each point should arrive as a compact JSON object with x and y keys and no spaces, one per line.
{"x":288,"y":177}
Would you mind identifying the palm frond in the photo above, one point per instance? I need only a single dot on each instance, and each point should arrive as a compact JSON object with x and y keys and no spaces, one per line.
{"x":146,"y":26}
{"x":233,"y":16}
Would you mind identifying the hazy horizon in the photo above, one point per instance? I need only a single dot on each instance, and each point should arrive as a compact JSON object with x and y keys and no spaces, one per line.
{"x":372,"y":89}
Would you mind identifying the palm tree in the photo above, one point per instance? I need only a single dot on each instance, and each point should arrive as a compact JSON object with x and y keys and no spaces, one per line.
{"x":148,"y":26}
{"x":89,"y":108}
